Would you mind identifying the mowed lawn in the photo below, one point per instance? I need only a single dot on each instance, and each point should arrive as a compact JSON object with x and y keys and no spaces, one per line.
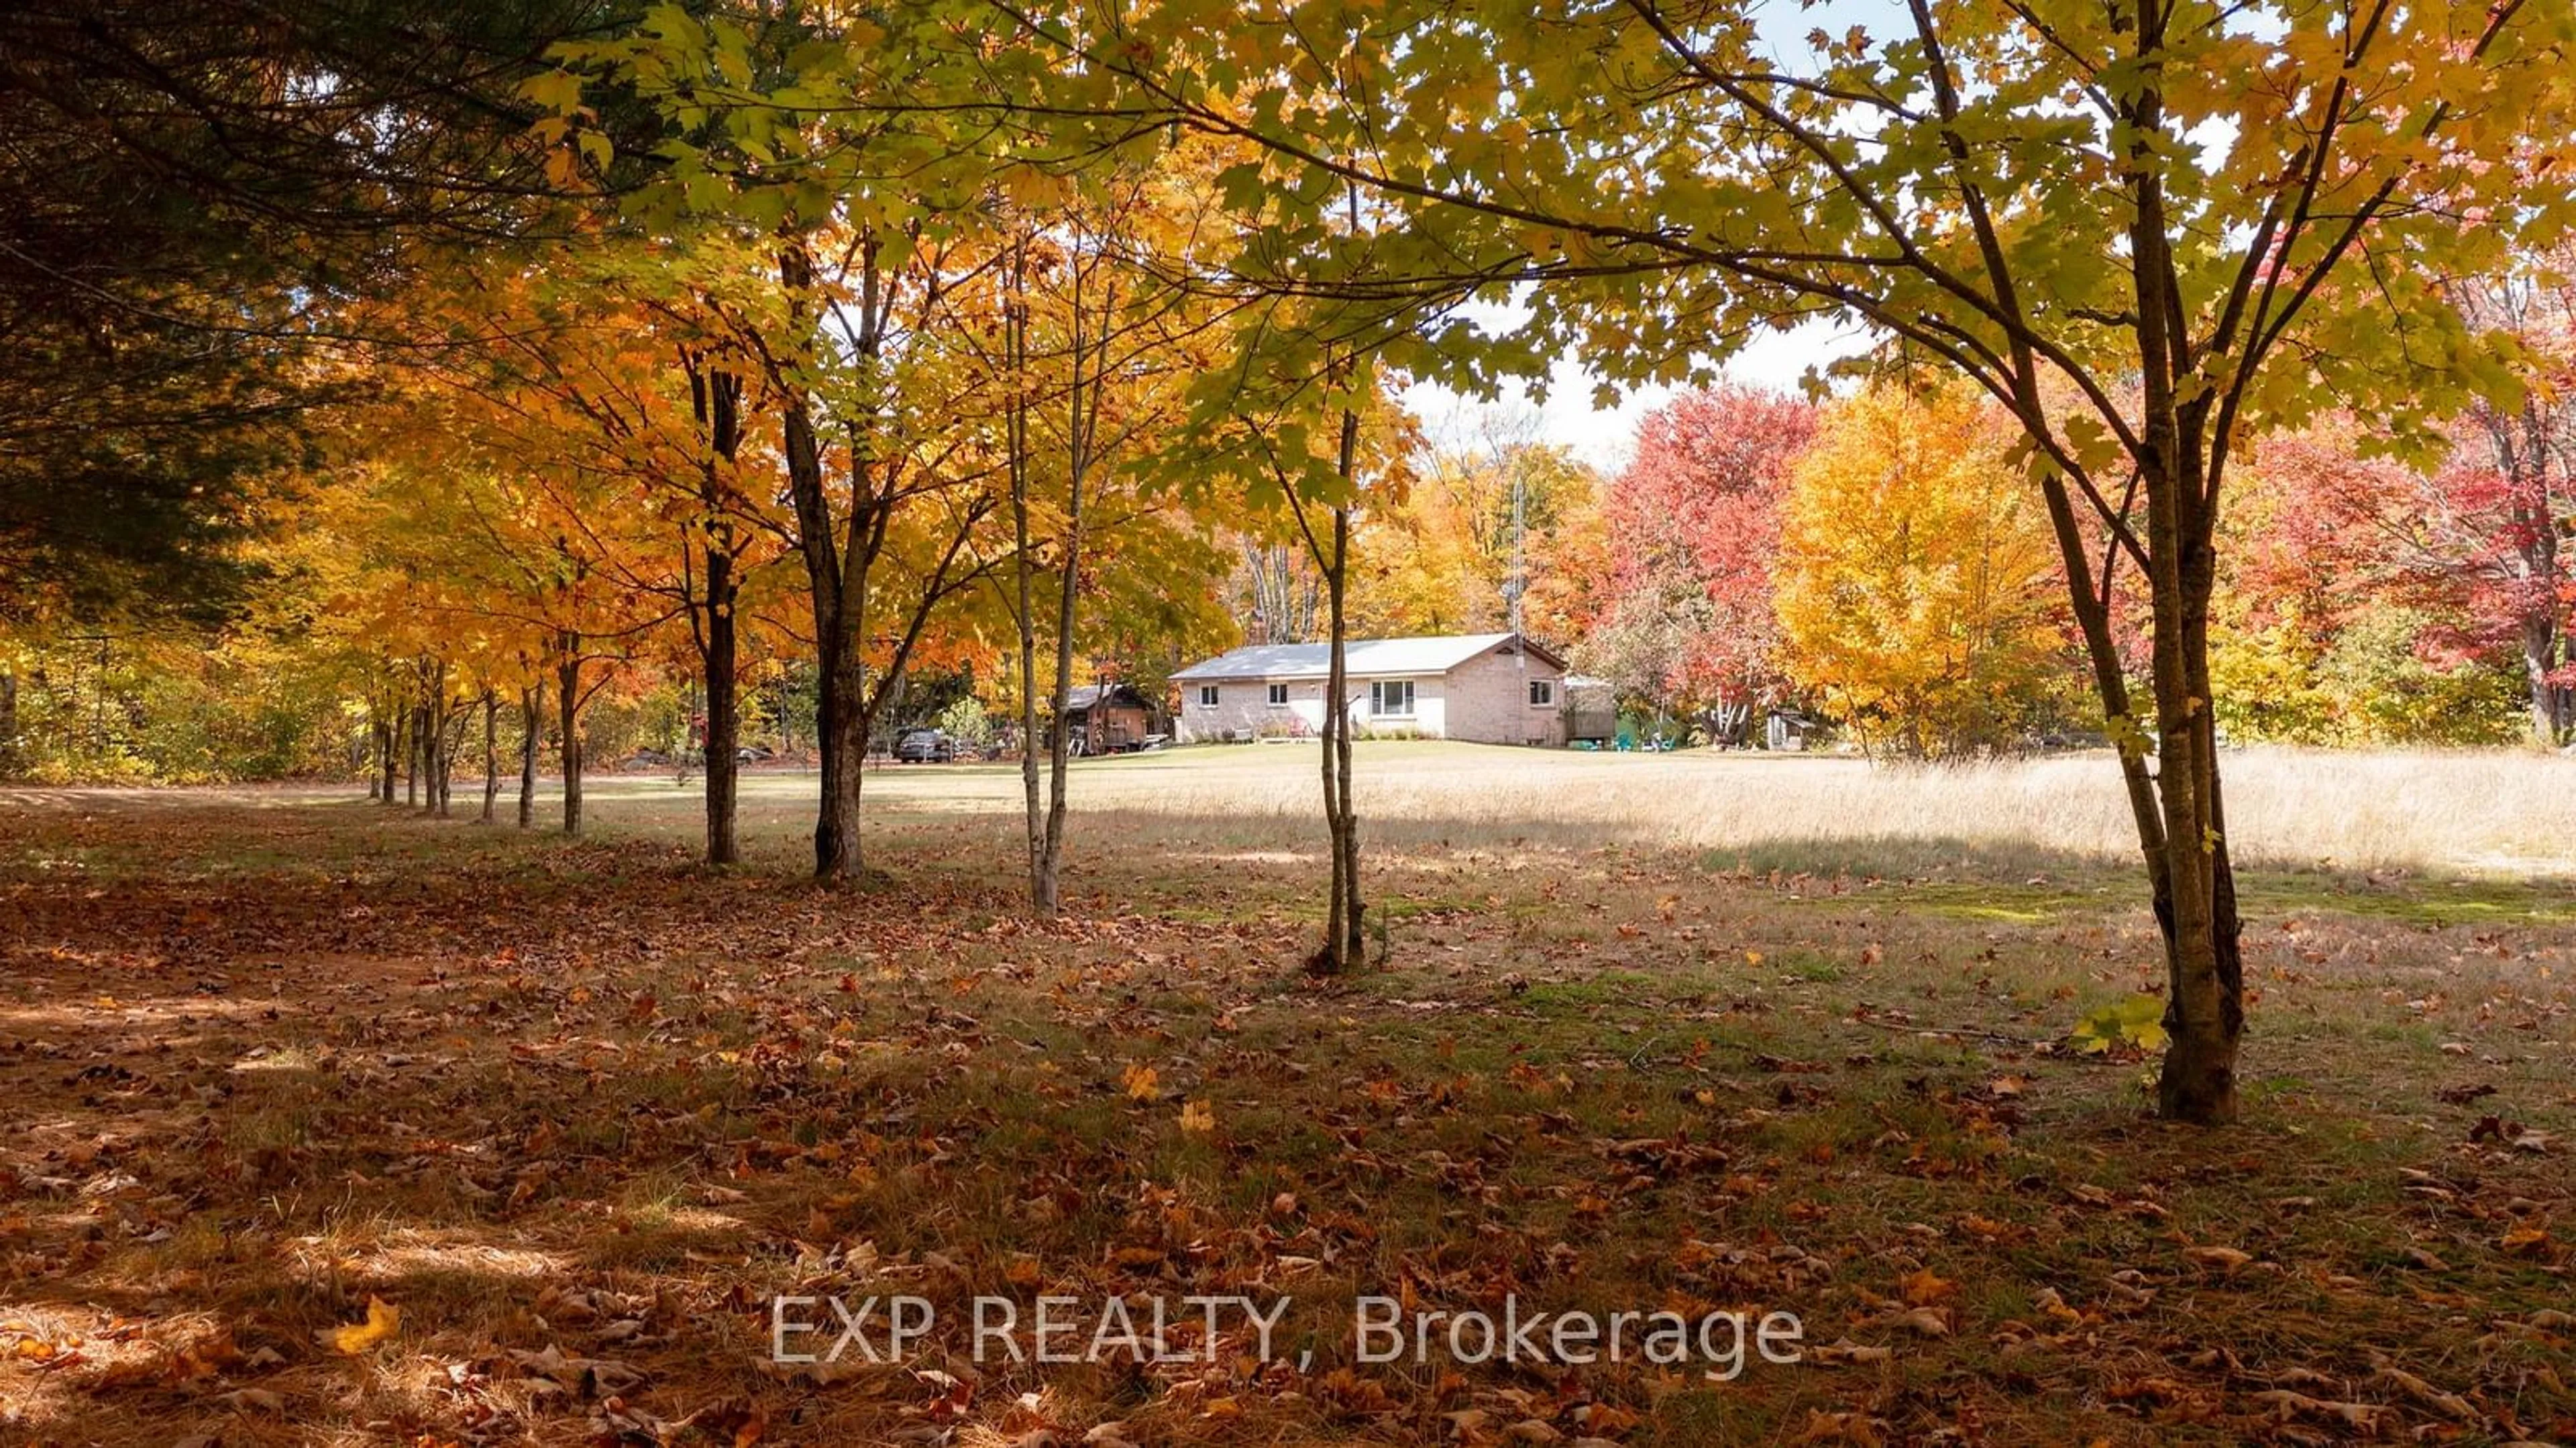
{"x":1684,"y":1033}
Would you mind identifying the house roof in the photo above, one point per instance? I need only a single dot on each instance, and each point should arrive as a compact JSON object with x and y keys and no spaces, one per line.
{"x":1085,"y":695}
{"x":1435,"y":654}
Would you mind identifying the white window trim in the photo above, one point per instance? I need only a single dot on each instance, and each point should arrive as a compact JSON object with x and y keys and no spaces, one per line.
{"x":1278,"y":696}
{"x":1207,"y":696}
{"x":1537,"y":702}
{"x":1411,"y":699}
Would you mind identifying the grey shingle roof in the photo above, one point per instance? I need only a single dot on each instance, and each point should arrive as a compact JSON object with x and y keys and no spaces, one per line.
{"x":1083,"y":696}
{"x":1435,"y":654}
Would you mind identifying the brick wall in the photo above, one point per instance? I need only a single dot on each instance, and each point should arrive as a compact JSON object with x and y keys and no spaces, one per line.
{"x":1489,"y":700}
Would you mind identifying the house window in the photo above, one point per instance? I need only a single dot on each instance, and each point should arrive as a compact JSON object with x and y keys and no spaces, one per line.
{"x":1542,"y":693}
{"x":1279,"y":693}
{"x":1391,"y":698}
{"x":1207,"y":696}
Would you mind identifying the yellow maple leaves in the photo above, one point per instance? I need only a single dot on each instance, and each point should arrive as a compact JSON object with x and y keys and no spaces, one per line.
{"x":1918,"y":590}
{"x":350,"y":1339}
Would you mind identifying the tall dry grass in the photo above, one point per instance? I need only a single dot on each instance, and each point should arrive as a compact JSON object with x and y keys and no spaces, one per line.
{"x":2484,"y":812}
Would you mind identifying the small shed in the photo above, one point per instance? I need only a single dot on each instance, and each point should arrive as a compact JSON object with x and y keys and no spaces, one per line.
{"x":1108,"y":718}
{"x":1790,"y":729}
{"x":1591,"y":709}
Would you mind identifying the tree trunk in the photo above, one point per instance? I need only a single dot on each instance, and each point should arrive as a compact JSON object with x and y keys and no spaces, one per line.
{"x":1045,"y":882}
{"x":1346,"y":830}
{"x":568,"y":711}
{"x":411,"y":757}
{"x":716,"y":395}
{"x":724,"y":769}
{"x":2205,"y":1011}
{"x":532,"y":733}
{"x":2539,"y":659}
{"x":8,"y":724}
{"x":442,"y":752}
{"x":389,"y":760}
{"x":841,"y":734}
{"x":1345,"y":942}
{"x":1334,"y":957}
{"x":491,"y":755}
{"x":840,"y":575}
{"x":1042,"y":884}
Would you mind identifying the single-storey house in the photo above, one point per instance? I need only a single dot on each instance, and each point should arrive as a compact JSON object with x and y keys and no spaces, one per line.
{"x":1491,"y":688}
{"x":1108,"y":719}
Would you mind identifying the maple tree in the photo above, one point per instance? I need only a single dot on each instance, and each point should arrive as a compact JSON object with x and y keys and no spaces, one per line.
{"x":619,"y":365}
{"x":2504,"y":506}
{"x":1441,"y":561}
{"x":1919,"y":595}
{"x":2359,"y":605}
{"x":1095,"y":355}
{"x":1307,"y":452}
{"x":1682,"y":616}
{"x":2027,"y":194}
{"x":890,"y":470}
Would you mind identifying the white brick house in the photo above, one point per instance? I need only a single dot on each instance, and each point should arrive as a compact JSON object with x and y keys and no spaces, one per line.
{"x":1490,"y":688}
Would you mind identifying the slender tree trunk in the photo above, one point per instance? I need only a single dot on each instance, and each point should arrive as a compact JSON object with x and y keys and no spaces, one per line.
{"x":8,"y":724}
{"x":1353,"y":944}
{"x":717,"y":395}
{"x":839,"y":732}
{"x":2539,"y":658}
{"x":532,"y":733}
{"x":491,"y":755}
{"x":1334,"y":957}
{"x":1042,"y":894}
{"x":1046,"y":881}
{"x":442,"y":758}
{"x":568,"y":709}
{"x":1082,"y":413}
{"x":840,"y":574}
{"x":379,"y":754}
{"x":1344,"y":939}
{"x":411,"y":757}
{"x":389,"y":760}
{"x":724,"y":768}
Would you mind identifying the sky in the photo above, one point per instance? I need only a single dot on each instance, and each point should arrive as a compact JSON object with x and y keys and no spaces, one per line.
{"x":1602,"y":437}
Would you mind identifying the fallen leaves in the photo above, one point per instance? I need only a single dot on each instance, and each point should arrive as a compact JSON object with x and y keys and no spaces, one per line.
{"x":580,"y":1202}
{"x":383,"y":1320}
{"x":2223,"y":1260}
{"x":2286,"y":1404}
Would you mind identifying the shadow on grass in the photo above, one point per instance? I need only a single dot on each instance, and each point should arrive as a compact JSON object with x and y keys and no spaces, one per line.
{"x":593,"y":1099}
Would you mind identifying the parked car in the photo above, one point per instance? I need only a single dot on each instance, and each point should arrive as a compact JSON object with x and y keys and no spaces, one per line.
{"x":924,"y":746}
{"x":753,"y":754}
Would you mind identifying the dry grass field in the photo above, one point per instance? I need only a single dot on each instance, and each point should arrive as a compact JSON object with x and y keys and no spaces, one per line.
{"x":1677,"y":1033}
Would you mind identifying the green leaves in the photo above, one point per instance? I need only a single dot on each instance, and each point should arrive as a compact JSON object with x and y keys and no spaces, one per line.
{"x":2136,"y":1023}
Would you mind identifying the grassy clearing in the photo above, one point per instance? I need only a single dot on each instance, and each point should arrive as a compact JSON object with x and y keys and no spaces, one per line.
{"x":1653,"y":1032}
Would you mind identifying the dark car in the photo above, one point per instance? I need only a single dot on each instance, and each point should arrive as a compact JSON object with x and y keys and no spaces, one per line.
{"x":924,"y":746}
